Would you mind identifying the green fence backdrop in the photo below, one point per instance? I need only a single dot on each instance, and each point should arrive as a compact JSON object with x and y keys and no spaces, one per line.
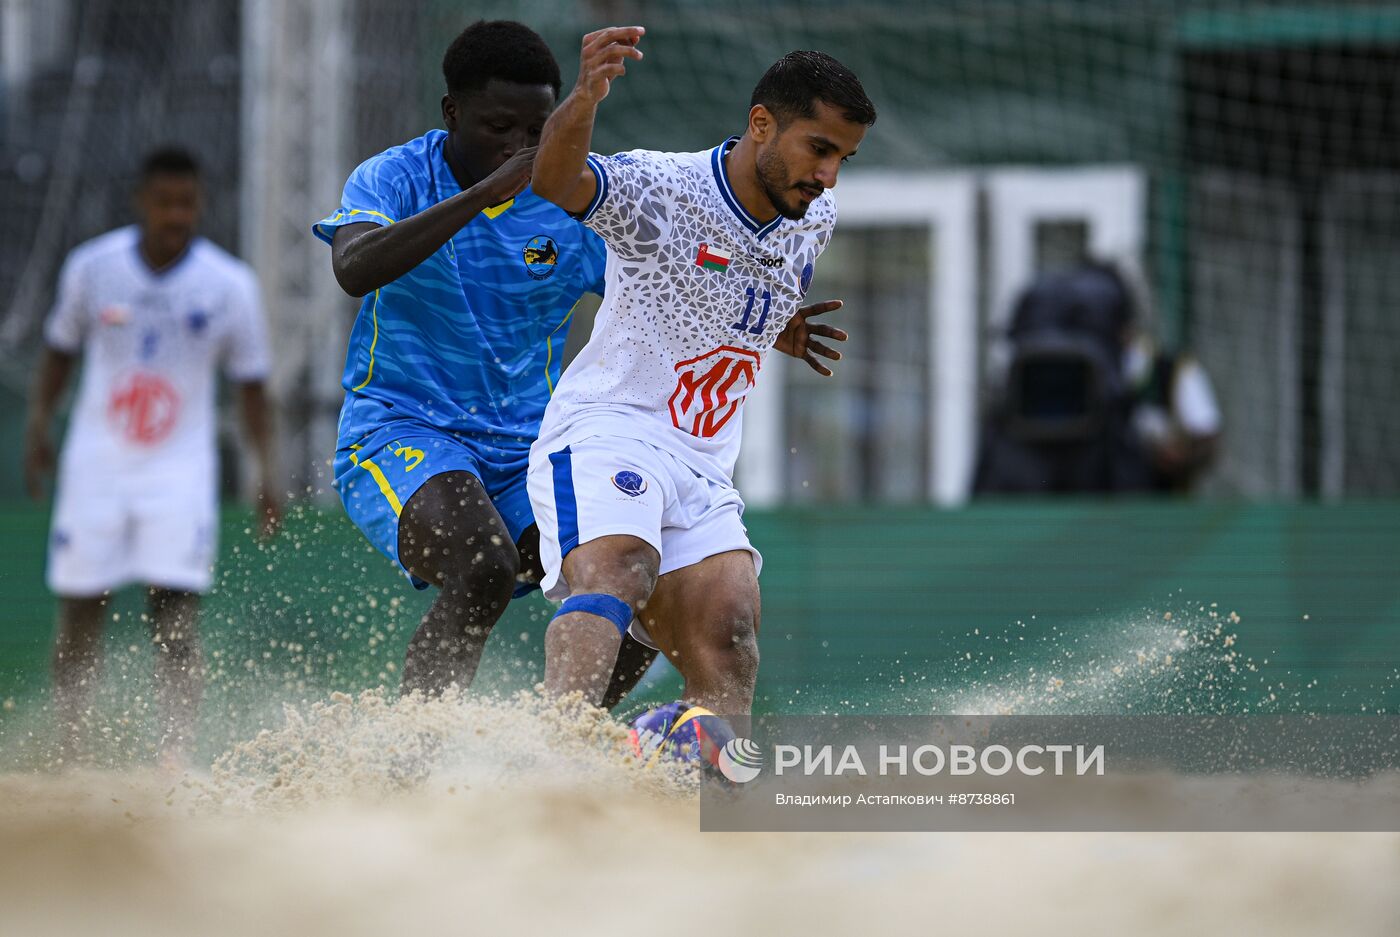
{"x":1083,"y":607}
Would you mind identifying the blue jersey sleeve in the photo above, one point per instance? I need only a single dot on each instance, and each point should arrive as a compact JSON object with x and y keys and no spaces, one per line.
{"x":595,"y":262}
{"x":376,"y":192}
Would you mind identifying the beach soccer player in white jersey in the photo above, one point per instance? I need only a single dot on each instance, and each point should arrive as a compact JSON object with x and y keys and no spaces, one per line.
{"x":153,"y":312}
{"x":709,"y":255}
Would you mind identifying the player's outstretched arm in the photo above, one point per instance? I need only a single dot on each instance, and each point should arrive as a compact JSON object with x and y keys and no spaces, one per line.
{"x":366,"y":256}
{"x":560,"y":173}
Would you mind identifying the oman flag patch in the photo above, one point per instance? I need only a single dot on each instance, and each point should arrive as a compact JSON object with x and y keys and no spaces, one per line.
{"x":712,"y":258}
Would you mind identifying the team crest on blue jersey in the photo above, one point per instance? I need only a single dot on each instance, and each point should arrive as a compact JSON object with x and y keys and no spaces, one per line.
{"x":806,"y":278}
{"x":630,"y":484}
{"x":541,"y":257}
{"x":198,"y":321}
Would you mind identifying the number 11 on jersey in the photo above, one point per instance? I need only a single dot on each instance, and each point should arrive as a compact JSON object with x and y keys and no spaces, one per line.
{"x":743,"y":324}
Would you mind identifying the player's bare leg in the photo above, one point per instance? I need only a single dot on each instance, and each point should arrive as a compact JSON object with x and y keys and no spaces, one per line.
{"x":451,"y":535}
{"x":581,"y":649}
{"x":77,"y":667}
{"x":174,"y":624}
{"x":634,"y":659}
{"x":705,"y":617}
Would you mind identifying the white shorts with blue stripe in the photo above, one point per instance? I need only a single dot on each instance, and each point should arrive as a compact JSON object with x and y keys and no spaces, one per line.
{"x":111,"y":530}
{"x":601,"y":486}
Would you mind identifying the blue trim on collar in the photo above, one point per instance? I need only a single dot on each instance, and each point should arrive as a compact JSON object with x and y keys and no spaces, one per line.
{"x":732,"y":200}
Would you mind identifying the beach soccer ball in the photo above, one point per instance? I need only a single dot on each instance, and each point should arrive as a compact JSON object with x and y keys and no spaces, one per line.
{"x":680,"y":732}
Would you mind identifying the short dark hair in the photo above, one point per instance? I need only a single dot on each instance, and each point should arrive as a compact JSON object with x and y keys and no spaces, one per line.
{"x":500,"y":49}
{"x":793,"y":84}
{"x":169,"y":161}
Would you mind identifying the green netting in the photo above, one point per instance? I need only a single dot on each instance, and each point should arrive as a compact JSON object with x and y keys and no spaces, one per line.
{"x":1263,"y":132}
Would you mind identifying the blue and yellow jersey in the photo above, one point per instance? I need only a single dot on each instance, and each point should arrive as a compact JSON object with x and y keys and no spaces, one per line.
{"x":471,"y":339}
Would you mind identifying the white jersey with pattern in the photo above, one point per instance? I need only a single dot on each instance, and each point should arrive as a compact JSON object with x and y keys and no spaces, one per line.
{"x":697,"y":293}
{"x":152,"y":343}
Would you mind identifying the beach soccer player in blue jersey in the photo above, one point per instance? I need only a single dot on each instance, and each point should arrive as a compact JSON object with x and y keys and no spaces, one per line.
{"x":469,"y":282}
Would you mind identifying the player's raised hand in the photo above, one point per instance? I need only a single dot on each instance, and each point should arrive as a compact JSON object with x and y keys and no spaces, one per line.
{"x":510,"y":178}
{"x":604,"y":57}
{"x":797,"y":340}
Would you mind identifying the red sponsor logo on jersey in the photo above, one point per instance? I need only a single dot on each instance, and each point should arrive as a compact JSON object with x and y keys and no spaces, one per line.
{"x":143,"y":408}
{"x":115,"y":314}
{"x":710,"y":388}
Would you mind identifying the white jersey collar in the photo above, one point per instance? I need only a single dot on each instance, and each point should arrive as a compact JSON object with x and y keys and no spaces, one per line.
{"x":726,"y":192}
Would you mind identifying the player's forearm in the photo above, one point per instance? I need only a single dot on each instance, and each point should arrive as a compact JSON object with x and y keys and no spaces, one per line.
{"x":561,"y":174}
{"x":49,"y":380}
{"x":372,"y":258}
{"x":257,"y":428}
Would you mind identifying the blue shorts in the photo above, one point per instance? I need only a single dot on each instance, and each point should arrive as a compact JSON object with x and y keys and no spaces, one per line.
{"x":378,"y":474}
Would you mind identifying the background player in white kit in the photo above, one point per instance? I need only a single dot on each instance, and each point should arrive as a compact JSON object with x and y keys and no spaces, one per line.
{"x":709,"y":255}
{"x":154,"y":311}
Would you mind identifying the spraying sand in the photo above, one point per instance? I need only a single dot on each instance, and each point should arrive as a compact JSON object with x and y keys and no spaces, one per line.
{"x":377,"y":816}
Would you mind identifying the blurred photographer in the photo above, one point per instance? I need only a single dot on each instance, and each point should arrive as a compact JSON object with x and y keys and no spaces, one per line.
{"x":1089,"y":404}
